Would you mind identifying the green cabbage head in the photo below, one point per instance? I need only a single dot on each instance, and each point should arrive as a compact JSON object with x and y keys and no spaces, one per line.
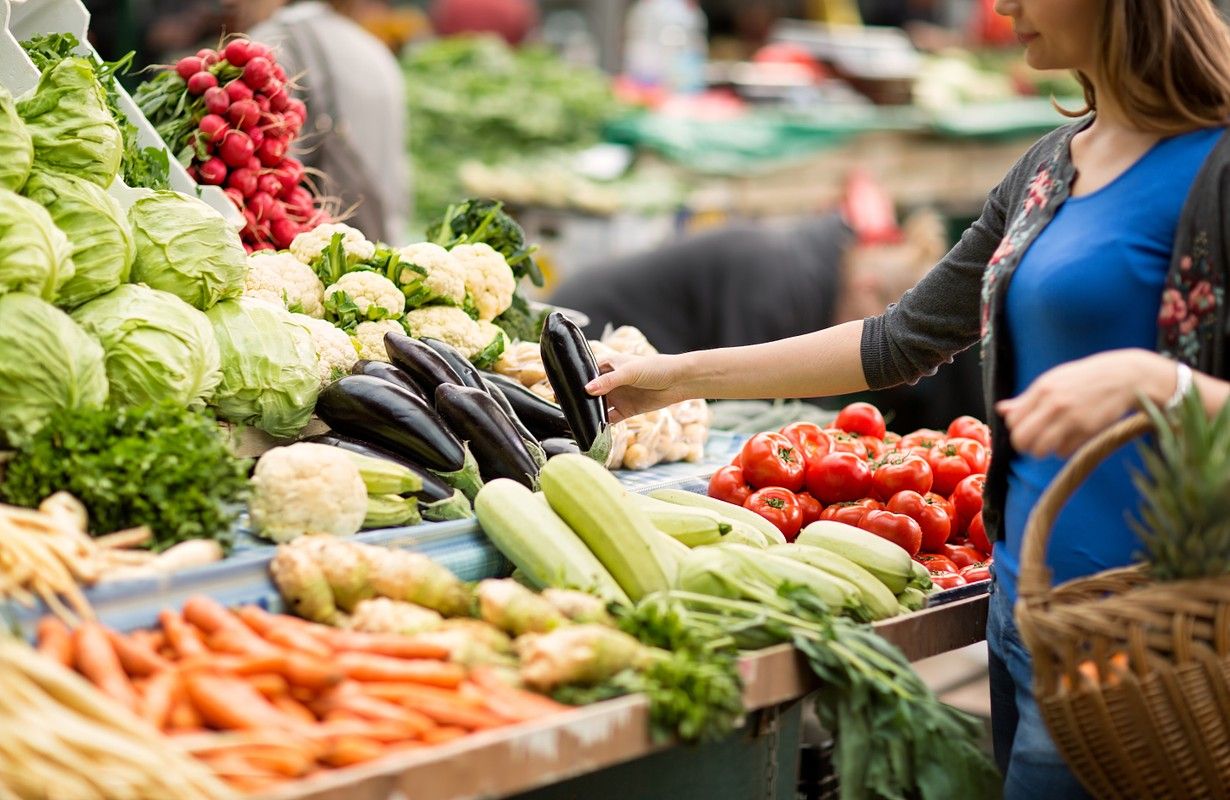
{"x":35,"y":256}
{"x":186,"y":248}
{"x":47,"y":363}
{"x":157,"y":346}
{"x":16,"y":147}
{"x":97,"y":228}
{"x":72,"y":129}
{"x":269,"y":375}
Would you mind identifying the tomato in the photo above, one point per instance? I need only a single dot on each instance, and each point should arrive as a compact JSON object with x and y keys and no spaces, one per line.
{"x":946,"y":580}
{"x":978,"y":535}
{"x":891,"y":440}
{"x":871,"y":504}
{"x":728,"y":484}
{"x":934,"y":562}
{"x":875,"y":446}
{"x":976,"y":572}
{"x":896,"y":528}
{"x":973,"y":452}
{"x":924,"y":438}
{"x":949,"y":509}
{"x":810,"y":507}
{"x":838,"y":476}
{"x":968,"y":427}
{"x":948,"y":468}
{"x":900,"y":473}
{"x":932,"y":518}
{"x":967,"y":499}
{"x":737,"y":461}
{"x":846,"y":442}
{"x":780,"y":507}
{"x":861,"y":418}
{"x":961,"y":555}
{"x":847,"y":512}
{"x":809,"y":439}
{"x":770,"y":459}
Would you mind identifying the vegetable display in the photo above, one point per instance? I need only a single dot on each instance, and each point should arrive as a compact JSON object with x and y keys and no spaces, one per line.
{"x":35,"y":255}
{"x":72,"y":129}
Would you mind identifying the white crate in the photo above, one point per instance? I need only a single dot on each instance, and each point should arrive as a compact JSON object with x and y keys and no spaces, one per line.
{"x":26,"y":18}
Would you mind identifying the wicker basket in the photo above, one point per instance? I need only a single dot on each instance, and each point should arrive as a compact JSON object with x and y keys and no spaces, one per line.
{"x":1154,"y":720}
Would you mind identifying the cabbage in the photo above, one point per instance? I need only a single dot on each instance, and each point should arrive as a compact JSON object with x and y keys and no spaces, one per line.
{"x":157,"y":346}
{"x":16,"y":148}
{"x":35,"y":255}
{"x":47,"y":363}
{"x":72,"y":129}
{"x":97,"y":228}
{"x":269,"y":376}
{"x":186,"y":248}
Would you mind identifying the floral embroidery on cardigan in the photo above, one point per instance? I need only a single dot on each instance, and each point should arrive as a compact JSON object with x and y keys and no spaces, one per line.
{"x":1188,"y":317}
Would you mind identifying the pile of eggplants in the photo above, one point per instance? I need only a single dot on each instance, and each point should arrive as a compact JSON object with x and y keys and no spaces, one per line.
{"x":570,"y":366}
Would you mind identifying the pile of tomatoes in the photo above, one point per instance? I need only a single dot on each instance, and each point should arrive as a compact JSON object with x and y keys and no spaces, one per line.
{"x":921,"y":491}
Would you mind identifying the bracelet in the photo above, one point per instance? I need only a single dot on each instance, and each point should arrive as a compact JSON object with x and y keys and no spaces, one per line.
{"x":1183,"y":385}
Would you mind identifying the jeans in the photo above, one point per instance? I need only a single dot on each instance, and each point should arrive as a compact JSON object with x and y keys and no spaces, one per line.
{"x":1027,"y":758}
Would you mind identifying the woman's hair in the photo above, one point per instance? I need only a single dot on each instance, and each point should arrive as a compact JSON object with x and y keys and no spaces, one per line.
{"x":1166,"y":61}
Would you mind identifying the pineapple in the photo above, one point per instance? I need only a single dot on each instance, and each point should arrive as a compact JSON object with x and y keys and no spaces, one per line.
{"x":1184,"y":523}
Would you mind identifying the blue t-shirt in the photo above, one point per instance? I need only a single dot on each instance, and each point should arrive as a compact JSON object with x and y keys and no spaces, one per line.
{"x":1092,"y":281}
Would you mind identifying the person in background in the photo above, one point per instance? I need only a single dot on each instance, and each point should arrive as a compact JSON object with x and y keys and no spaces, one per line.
{"x":513,"y":20}
{"x":1094,"y":277}
{"x":355,"y":133}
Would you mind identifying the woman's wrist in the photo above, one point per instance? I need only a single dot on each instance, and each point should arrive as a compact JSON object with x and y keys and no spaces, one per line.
{"x":1160,"y":377}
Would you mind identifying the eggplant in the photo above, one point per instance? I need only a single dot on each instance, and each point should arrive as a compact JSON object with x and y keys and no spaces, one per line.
{"x":570,"y":365}
{"x":543,"y":418}
{"x":434,"y":488}
{"x":505,"y":406}
{"x":466,"y":371}
{"x":553,"y":447}
{"x":387,"y":372}
{"x":420,"y":362}
{"x":479,"y":420}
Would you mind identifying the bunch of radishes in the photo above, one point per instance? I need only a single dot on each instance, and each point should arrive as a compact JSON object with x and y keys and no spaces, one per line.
{"x":241,"y":120}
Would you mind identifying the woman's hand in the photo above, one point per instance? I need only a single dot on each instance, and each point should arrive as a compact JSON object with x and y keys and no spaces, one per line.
{"x":638,"y":384}
{"x":1071,"y":403}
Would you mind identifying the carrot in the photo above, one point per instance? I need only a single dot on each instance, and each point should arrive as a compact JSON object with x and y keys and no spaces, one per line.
{"x":137,"y":659}
{"x":159,"y":696}
{"x":293,"y":638}
{"x":309,"y":672}
{"x":55,"y":640}
{"x":293,"y":708}
{"x":508,"y":701}
{"x":256,"y":618}
{"x":386,"y":731}
{"x":343,"y":699}
{"x":442,"y":706}
{"x":208,"y":614}
{"x":270,"y":685}
{"x":183,"y":638}
{"x":347,"y":750}
{"x":262,"y":621}
{"x":183,"y":715}
{"x":153,"y":639}
{"x":245,"y":665}
{"x":96,"y":660}
{"x":238,"y":641}
{"x":370,"y":667}
{"x":230,"y":703}
{"x":385,"y":644}
{"x":446,"y":733}
{"x":293,"y":759}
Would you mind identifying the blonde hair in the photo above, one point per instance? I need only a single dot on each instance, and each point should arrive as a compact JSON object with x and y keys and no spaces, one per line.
{"x":1167,"y":62}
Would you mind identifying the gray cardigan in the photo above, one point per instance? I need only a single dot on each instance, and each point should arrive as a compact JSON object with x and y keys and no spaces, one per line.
{"x":960,"y":301}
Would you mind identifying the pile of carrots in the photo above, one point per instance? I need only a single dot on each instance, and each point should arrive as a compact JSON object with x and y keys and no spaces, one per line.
{"x":291,"y":697}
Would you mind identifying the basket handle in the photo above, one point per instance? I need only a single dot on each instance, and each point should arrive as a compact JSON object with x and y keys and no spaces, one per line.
{"x":1035,"y":580}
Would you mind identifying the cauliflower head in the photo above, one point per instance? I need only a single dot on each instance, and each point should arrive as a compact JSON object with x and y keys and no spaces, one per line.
{"x":306,"y":488}
{"x":284,"y":280}
{"x":335,"y":351}
{"x":429,"y":274}
{"x":369,"y":338}
{"x":481,"y":342}
{"x":308,"y":246}
{"x":489,"y":280}
{"x":362,"y":296}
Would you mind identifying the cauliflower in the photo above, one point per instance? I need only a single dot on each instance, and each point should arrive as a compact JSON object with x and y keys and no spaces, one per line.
{"x":362,"y":296}
{"x":310,"y":245}
{"x":429,"y":274}
{"x":284,"y":280}
{"x":306,"y":488}
{"x":489,"y":280}
{"x":335,"y":352}
{"x":481,"y":342}
{"x":369,"y":337}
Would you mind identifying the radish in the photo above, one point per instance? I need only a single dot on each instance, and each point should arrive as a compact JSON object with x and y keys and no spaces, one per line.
{"x":300,"y":199}
{"x":235,"y":195}
{"x":213,"y":127}
{"x":263,"y":102}
{"x":280,"y":100}
{"x":297,"y":107}
{"x":208,"y":57}
{"x":272,"y":151}
{"x":217,"y":101}
{"x":270,"y":184}
{"x":284,"y":231}
{"x":254,"y":164}
{"x":243,"y":113}
{"x":194,"y":173}
{"x":236,"y":148}
{"x":261,"y":205}
{"x":213,"y":171}
{"x":258,"y":50}
{"x":279,"y":72}
{"x":238,"y":52}
{"x":237,"y":90}
{"x":243,"y":180}
{"x":257,"y":135}
{"x":257,"y":73}
{"x":188,"y":66}
{"x":201,"y":83}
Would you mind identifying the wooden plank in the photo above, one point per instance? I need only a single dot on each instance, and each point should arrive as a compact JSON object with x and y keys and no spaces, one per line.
{"x":938,"y":630}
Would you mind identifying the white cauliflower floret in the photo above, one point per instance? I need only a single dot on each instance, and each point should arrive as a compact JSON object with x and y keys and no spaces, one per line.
{"x":481,"y":342}
{"x":430,"y":274}
{"x":306,"y":488}
{"x":375,"y":296}
{"x":308,"y":245}
{"x":489,"y":280}
{"x":335,"y":352}
{"x":284,"y":280}
{"x":369,"y":338}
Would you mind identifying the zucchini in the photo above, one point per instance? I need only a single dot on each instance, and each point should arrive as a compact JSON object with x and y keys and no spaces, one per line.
{"x":880,"y":601}
{"x":433,"y":490}
{"x":888,"y":562}
{"x":570,"y":366}
{"x":692,"y":527}
{"x":738,"y":513}
{"x":591,"y":501}
{"x":912,"y":599}
{"x":391,"y":511}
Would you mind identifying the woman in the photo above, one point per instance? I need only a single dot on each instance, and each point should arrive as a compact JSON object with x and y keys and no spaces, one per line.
{"x":1096,"y":274}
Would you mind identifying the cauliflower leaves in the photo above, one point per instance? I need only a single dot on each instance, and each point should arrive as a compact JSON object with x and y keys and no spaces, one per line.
{"x":362,"y":297}
{"x":429,"y":274}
